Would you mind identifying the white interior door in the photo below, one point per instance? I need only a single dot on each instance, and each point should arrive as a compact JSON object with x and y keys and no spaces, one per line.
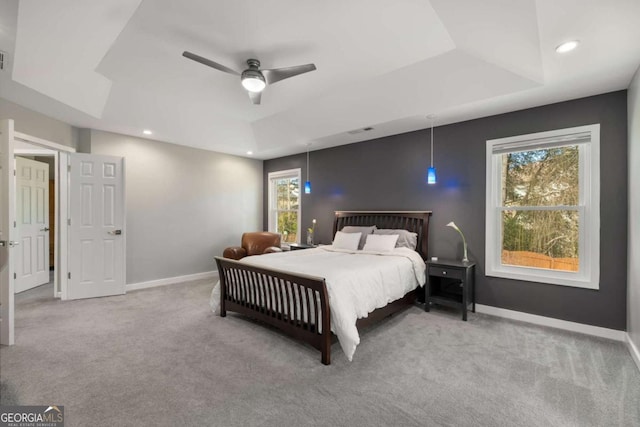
{"x":32,"y":219}
{"x":7,"y":232}
{"x":97,"y":226}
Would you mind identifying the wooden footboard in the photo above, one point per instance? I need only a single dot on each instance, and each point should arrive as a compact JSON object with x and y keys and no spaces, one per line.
{"x":296,"y":304}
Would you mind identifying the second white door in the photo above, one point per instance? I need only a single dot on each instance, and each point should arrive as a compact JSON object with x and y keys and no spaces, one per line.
{"x":32,"y":220}
{"x":97,"y":229}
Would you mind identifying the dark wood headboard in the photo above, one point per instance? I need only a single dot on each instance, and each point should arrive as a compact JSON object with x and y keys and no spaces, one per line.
{"x":414,"y":221}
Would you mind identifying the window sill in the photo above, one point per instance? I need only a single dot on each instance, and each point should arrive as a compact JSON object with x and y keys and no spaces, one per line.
{"x":544,"y":276}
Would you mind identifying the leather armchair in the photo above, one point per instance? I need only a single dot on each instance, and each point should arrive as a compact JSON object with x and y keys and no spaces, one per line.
{"x":254,"y":243}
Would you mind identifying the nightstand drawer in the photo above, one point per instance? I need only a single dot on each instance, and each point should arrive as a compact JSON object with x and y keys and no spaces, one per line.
{"x":438,"y":271}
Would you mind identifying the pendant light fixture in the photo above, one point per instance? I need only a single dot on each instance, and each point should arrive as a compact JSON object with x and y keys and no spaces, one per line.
{"x":307,"y":184}
{"x":431,"y":172}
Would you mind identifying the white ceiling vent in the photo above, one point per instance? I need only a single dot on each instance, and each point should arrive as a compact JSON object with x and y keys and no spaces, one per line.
{"x":2,"y":60}
{"x":353,"y":132}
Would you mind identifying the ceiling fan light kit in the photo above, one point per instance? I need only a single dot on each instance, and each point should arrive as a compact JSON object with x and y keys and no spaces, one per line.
{"x":253,"y":79}
{"x":253,"y":83}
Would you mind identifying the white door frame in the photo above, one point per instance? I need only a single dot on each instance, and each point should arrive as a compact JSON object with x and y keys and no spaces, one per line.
{"x":61,"y":235}
{"x":7,"y":203}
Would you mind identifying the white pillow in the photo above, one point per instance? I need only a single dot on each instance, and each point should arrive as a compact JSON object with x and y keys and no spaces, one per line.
{"x":381,"y":242}
{"x":346,"y":241}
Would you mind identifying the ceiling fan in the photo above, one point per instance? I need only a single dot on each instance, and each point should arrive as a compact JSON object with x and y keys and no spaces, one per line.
{"x":253,"y":79}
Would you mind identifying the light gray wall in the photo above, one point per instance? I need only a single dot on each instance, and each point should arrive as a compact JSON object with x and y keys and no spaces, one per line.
{"x":39,"y":125}
{"x":184,"y":205}
{"x":633,"y":275}
{"x":84,"y":141}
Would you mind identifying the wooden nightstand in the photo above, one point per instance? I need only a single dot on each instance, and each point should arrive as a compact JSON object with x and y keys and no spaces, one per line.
{"x":451,"y":283}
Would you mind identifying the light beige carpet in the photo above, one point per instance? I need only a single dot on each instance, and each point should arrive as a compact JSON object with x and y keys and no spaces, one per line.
{"x":159,"y":357}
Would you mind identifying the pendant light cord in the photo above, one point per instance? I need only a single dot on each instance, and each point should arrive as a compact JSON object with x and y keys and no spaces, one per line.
{"x":308,"y":164}
{"x":431,"y":141}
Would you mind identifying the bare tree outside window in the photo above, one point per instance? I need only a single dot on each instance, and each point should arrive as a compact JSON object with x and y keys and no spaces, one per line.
{"x":287,"y":205}
{"x":540,"y":216}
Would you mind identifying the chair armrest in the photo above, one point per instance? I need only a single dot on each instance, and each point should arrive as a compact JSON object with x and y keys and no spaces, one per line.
{"x":234,"y":252}
{"x":272,"y":249}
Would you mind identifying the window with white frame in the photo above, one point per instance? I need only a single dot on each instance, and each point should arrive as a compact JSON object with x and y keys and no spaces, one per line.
{"x":285,"y":204}
{"x":543,"y":207}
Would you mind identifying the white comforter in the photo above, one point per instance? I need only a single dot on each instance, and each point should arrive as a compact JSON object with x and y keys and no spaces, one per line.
{"x":358,"y":282}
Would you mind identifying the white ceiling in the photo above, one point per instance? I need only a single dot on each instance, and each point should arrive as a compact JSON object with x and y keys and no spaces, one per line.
{"x":117,"y":65}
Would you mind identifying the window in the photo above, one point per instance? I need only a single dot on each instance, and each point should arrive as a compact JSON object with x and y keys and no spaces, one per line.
{"x":543,"y":207}
{"x":284,"y":204}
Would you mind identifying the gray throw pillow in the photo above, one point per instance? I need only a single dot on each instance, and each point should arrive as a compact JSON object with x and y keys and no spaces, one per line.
{"x":406,"y":239}
{"x":364,"y":230}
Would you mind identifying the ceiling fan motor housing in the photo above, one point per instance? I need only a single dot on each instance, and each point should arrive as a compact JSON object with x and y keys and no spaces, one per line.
{"x":253,"y":63}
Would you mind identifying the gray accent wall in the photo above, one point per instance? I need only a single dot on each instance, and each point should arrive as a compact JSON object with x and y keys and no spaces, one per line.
{"x":184,"y":205}
{"x":390,"y":174}
{"x":633,"y":298}
{"x":39,"y":125}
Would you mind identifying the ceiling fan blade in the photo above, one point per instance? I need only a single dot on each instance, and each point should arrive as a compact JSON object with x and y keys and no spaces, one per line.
{"x":255,"y":97}
{"x":209,"y":63}
{"x":277,"y":74}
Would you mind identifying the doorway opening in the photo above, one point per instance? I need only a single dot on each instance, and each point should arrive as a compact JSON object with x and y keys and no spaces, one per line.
{"x":11,"y":142}
{"x":35,"y":221}
{"x":36,"y":196}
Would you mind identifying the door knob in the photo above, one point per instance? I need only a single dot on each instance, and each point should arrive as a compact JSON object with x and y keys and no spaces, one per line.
{"x":115,"y":232}
{"x":44,"y":229}
{"x":12,"y":243}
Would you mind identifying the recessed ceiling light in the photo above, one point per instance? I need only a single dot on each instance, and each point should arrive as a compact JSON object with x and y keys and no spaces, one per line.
{"x":249,"y":152}
{"x":147,"y":132}
{"x":567,"y":46}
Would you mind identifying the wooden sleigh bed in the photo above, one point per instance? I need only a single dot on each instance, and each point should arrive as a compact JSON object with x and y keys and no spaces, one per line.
{"x":298,"y":304}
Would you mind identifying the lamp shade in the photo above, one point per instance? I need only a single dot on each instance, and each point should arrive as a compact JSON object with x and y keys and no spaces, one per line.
{"x":431,"y":176}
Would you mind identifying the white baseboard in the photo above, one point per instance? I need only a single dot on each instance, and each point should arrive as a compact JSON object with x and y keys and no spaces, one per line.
{"x":635,"y":353}
{"x":554,"y":323}
{"x":172,"y":280}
